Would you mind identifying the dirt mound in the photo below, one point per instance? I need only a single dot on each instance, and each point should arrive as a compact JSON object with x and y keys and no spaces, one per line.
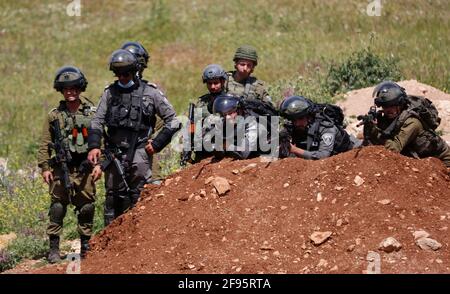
{"x":358,"y":102}
{"x":265,"y":222}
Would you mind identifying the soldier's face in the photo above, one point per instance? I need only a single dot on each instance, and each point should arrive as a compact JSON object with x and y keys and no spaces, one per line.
{"x":391,"y":112}
{"x":215,"y":86}
{"x":244,"y":67}
{"x":124,"y":78}
{"x":301,"y":123}
{"x":231,"y":116}
{"x":71,"y":94}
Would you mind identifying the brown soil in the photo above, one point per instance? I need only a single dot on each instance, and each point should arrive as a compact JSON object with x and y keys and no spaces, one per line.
{"x":264,"y":223}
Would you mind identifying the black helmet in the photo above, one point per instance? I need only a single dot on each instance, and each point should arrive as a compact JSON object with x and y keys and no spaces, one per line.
{"x":69,"y":76}
{"x":213,"y":71}
{"x":225,"y":103}
{"x":388,"y":93}
{"x":123,"y":61}
{"x":295,"y":107}
{"x":246,"y":52}
{"x":138,"y":51}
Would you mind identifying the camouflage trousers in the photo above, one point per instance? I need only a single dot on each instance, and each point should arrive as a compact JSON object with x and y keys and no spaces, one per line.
{"x":81,"y":195}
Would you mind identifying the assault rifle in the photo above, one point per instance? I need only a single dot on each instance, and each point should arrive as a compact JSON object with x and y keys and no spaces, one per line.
{"x":285,"y":140}
{"x":186,"y":155}
{"x":367,"y":121}
{"x":62,"y":153}
{"x":111,"y":157}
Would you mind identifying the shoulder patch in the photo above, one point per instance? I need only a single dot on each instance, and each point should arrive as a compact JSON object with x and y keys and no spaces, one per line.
{"x":328,"y":139}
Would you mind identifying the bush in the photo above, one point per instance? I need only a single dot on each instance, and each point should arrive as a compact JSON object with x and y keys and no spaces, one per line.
{"x":362,"y":69}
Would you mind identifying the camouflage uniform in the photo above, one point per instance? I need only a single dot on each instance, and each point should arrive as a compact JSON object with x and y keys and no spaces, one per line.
{"x":251,"y":88}
{"x":82,"y":195}
{"x":410,"y":138}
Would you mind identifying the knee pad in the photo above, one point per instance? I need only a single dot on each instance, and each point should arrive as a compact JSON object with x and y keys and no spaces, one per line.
{"x":57,"y":212}
{"x":86,"y":213}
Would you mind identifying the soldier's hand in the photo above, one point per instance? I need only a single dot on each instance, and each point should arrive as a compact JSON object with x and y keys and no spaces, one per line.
{"x":149,"y":148}
{"x":94,"y":156}
{"x":297,"y":151}
{"x":96,"y":173}
{"x":47,"y":176}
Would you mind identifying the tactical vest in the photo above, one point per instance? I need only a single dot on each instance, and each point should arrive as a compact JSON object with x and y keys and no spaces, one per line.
{"x":311,"y":141}
{"x":127,"y":110}
{"x":427,"y":143}
{"x":251,"y":89}
{"x":74,"y":127}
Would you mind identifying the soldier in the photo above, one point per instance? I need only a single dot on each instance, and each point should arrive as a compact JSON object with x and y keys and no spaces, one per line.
{"x":240,"y":128}
{"x":68,"y":173}
{"x":240,"y":82}
{"x":310,"y":133}
{"x":401,"y":125}
{"x":128,"y":109}
{"x":214,"y":77}
{"x":143,"y":57}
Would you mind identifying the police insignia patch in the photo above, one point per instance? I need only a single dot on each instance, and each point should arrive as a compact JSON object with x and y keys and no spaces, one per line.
{"x":328,"y":139}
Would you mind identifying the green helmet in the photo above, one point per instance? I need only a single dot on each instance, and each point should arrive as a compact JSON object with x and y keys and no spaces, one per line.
{"x":225,"y":103}
{"x":123,"y":61}
{"x":138,"y":51}
{"x":246,"y":52}
{"x":295,"y":107}
{"x":69,"y":76}
{"x":388,"y":93}
{"x":213,"y":71}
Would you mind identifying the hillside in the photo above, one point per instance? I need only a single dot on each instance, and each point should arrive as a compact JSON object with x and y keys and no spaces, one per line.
{"x":265,"y":222}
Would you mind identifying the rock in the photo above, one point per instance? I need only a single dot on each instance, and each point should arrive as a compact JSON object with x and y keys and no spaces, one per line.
{"x":167,"y":182}
{"x":428,"y":244}
{"x":322,"y":263}
{"x":209,"y":180}
{"x":235,"y":171}
{"x":197,"y":197}
{"x":276,"y":253}
{"x":177,"y":179}
{"x":221,"y":184}
{"x":6,"y":239}
{"x":358,"y":181}
{"x":339,"y":223}
{"x":351,"y":248}
{"x":159,"y":195}
{"x":334,"y":268}
{"x":319,"y":237}
{"x":183,"y":198}
{"x":283,"y":207}
{"x":421,"y":234}
{"x":415,"y":170}
{"x":338,"y":188}
{"x":319,"y":197}
{"x":202,"y":193}
{"x":389,"y":245}
{"x":248,"y":167}
{"x":285,"y":185}
{"x":384,"y":201}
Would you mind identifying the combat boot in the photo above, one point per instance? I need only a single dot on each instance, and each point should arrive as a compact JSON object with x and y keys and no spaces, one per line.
{"x":53,"y":255}
{"x":84,"y":240}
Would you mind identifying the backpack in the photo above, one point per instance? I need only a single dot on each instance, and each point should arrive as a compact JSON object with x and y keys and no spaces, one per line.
{"x":333,"y":112}
{"x":259,"y":107}
{"x":425,"y":109}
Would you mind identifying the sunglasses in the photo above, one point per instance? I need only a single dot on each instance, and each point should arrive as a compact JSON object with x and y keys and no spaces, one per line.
{"x":123,"y":74}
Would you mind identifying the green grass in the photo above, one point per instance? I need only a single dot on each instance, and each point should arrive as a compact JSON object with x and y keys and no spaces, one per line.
{"x":297,"y":41}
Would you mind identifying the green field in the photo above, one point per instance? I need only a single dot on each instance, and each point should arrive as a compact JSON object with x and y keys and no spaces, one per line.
{"x":297,"y":41}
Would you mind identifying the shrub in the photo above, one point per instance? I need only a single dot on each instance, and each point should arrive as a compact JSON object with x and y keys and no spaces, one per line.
{"x":362,"y":69}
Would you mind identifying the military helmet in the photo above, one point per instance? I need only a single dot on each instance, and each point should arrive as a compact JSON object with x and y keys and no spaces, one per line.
{"x":295,"y":107}
{"x":138,"y":51}
{"x":123,"y":61}
{"x":388,"y":93}
{"x":246,"y":52}
{"x":225,"y":103}
{"x":213,"y":71}
{"x":69,"y":76}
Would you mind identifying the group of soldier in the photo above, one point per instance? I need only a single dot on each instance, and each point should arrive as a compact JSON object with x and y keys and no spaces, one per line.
{"x":134,"y":120}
